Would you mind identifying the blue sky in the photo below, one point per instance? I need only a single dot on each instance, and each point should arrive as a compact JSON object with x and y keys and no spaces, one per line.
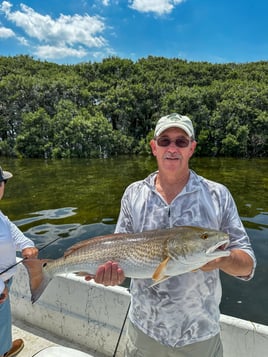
{"x":73,"y":31}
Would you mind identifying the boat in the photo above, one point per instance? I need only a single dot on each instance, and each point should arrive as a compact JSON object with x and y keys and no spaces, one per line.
{"x":78,"y":318}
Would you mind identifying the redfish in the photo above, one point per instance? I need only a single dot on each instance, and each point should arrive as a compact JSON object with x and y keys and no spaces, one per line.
{"x":156,"y":254}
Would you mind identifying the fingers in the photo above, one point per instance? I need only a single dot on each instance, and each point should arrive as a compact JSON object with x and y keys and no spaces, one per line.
{"x":31,"y":252}
{"x":214,"y":264}
{"x":108,"y":274}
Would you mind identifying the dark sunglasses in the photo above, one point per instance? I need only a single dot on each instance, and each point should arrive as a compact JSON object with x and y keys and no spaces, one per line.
{"x":181,"y":142}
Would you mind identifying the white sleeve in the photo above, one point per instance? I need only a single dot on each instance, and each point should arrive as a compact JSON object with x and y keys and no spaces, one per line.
{"x":2,"y":286}
{"x":20,"y":239}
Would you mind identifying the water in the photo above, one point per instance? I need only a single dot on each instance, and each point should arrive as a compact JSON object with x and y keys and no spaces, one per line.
{"x":71,"y":200}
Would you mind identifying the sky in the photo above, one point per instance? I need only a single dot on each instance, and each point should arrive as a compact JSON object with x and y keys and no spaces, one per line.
{"x":75,"y":31}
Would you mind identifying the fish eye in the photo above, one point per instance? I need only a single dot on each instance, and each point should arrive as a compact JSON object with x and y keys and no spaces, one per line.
{"x":204,"y":236}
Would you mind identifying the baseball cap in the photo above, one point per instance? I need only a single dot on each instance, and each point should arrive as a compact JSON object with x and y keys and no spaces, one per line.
{"x":174,"y":120}
{"x":4,"y":175}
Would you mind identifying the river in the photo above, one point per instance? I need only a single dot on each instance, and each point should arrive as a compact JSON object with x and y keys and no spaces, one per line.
{"x":70,"y":200}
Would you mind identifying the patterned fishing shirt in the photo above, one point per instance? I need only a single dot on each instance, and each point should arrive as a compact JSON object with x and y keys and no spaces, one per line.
{"x":183,"y":309}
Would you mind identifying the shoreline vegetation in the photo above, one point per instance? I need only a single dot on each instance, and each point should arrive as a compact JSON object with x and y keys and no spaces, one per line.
{"x":109,"y":108}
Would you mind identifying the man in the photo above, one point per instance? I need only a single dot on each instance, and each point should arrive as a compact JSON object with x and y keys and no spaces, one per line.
{"x":180,"y":316}
{"x":11,"y":239}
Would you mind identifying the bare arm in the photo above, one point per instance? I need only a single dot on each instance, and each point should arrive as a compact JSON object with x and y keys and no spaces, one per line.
{"x":238,"y":263}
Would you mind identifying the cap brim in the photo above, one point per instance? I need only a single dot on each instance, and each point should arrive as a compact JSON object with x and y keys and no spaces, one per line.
{"x":7,"y":175}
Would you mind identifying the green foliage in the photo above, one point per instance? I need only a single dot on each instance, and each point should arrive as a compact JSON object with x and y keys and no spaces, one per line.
{"x":110,"y":108}
{"x":35,"y":138}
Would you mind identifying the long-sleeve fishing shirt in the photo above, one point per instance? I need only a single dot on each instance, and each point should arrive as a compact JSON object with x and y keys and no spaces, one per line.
{"x":11,"y":240}
{"x":183,"y":309}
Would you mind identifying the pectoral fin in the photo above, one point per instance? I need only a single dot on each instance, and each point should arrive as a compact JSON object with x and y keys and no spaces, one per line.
{"x":158,"y":274}
{"x":160,"y":281}
{"x":81,"y":273}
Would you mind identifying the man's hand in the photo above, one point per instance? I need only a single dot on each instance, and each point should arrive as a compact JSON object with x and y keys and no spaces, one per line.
{"x":108,"y":274}
{"x":214,"y":264}
{"x":29,"y":253}
{"x":238,"y":263}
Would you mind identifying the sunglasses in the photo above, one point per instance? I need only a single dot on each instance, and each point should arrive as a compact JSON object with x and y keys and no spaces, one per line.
{"x":181,"y":142}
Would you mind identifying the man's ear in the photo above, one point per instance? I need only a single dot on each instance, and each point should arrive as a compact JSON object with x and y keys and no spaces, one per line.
{"x":153,"y":146}
{"x":193,"y":146}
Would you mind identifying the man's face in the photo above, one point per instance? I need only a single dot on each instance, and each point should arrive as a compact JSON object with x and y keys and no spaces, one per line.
{"x":173,"y":148}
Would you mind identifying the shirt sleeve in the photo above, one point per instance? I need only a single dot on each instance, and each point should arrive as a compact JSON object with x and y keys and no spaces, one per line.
{"x":127,"y":215}
{"x":2,"y":286}
{"x":21,"y":241}
{"x":232,"y":224}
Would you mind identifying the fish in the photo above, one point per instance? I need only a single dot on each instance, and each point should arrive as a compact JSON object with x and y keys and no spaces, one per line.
{"x":155,"y":254}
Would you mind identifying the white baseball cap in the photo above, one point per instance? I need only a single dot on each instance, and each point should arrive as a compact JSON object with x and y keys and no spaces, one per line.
{"x":174,"y":120}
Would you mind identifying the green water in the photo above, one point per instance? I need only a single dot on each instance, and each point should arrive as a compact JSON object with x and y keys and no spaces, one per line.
{"x":72,"y":200}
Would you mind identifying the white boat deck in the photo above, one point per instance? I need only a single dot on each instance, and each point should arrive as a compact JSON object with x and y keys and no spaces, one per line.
{"x":37,"y":339}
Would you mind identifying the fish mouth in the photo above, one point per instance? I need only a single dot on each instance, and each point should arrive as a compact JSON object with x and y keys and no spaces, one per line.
{"x":219,"y":247}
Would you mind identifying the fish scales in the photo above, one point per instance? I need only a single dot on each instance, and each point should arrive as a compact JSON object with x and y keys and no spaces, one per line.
{"x":132,"y":255}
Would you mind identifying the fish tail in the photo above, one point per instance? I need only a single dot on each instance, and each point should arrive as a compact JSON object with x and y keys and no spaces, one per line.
{"x":38,"y":277}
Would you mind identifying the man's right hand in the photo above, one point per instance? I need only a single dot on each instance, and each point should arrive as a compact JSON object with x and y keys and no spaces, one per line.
{"x":108,"y":274}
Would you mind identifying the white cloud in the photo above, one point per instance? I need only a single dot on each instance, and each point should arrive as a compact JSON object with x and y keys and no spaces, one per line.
{"x":6,"y":33}
{"x":5,"y":6}
{"x":160,"y":7}
{"x":52,"y":52}
{"x":65,"y":36}
{"x":23,"y":41}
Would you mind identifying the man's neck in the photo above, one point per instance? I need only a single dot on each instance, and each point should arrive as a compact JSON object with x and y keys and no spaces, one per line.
{"x":169,"y":186}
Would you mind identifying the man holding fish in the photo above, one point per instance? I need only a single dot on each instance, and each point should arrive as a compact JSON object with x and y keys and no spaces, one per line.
{"x":180,"y":315}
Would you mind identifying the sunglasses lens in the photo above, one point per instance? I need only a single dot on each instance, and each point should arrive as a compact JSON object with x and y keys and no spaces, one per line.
{"x":182,"y":142}
{"x":163,"y":141}
{"x":179,"y":142}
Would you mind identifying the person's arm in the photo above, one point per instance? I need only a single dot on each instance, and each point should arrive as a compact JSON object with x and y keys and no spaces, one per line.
{"x":241,"y":262}
{"x":238,"y":263}
{"x":23,"y":243}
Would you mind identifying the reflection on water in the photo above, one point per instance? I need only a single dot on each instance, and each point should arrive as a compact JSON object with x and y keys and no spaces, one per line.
{"x":52,"y":240}
{"x":67,"y":201}
{"x":57,"y":213}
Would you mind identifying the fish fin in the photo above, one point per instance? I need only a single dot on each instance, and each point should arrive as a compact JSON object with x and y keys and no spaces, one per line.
{"x":160,"y":281}
{"x":158,"y":273}
{"x":81,"y":273}
{"x":38,"y":278}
